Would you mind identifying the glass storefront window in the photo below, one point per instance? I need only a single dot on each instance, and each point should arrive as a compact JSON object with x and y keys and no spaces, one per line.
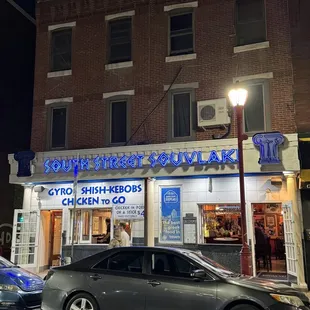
{"x":221,"y":223}
{"x":92,"y":226}
{"x":97,"y":226}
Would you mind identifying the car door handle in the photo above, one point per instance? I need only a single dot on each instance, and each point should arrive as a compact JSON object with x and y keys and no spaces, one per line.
{"x":95,"y":277}
{"x":153,"y":283}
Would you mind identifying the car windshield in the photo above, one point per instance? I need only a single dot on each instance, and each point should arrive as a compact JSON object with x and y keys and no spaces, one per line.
{"x":210,"y":264}
{"x":4,"y":263}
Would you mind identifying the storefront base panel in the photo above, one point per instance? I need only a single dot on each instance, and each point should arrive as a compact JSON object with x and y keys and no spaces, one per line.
{"x":82,"y":251}
{"x":228,"y":255}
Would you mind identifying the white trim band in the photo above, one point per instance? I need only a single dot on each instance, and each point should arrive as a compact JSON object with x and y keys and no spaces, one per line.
{"x":251,"y":47}
{"x":261,"y":76}
{"x":119,"y":15}
{"x":58,"y":26}
{"x":59,"y":73}
{"x":50,"y":101}
{"x":181,"y":57}
{"x":130,"y":92}
{"x":119,"y":65}
{"x":168,"y":8}
{"x":182,"y":86}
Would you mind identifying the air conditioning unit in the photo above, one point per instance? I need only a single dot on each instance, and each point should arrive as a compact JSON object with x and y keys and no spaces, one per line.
{"x":212,"y":113}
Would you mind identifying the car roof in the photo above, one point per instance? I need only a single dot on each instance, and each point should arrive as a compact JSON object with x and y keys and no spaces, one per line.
{"x":148,"y":248}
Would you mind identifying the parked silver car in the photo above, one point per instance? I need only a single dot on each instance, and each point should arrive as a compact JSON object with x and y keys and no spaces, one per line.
{"x":146,"y":278}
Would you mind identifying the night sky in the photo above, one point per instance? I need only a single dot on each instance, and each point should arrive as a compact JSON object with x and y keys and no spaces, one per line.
{"x":27,"y":5}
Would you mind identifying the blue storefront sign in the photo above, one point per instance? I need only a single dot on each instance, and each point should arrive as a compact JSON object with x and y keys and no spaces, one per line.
{"x":268,"y":143}
{"x":171,"y":215}
{"x":136,"y":161}
{"x":95,"y":195}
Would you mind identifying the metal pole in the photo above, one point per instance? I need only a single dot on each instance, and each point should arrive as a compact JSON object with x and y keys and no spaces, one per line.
{"x":245,"y":254}
{"x":75,"y":182}
{"x":145,"y":213}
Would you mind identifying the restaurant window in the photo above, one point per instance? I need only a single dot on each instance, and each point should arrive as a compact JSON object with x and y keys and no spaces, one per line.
{"x":58,"y":131}
{"x":255,"y":109}
{"x":183,"y":115}
{"x":92,"y":226}
{"x":250,"y":21}
{"x":119,"y":121}
{"x":61,"y":50}
{"x":96,"y":226}
{"x":120,"y":40}
{"x":221,"y":223}
{"x":181,"y":34}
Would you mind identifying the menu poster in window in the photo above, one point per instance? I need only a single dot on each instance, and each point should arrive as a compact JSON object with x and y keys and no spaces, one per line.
{"x":190,"y":230}
{"x":132,"y":212}
{"x":171,"y":214}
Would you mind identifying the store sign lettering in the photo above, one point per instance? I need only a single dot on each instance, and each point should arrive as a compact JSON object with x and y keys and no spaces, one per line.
{"x":136,"y":161}
{"x":93,"y":190}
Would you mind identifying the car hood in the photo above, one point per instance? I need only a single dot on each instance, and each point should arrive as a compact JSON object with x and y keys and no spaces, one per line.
{"x":24,"y":279}
{"x":264,"y":285}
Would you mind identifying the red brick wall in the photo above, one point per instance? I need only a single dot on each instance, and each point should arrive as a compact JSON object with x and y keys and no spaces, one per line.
{"x":300,"y":34}
{"x":214,"y":68}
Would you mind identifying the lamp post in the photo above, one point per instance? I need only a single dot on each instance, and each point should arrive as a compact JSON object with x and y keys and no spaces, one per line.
{"x":238,"y":97}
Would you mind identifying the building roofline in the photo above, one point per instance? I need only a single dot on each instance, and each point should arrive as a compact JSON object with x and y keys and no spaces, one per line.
{"x":22,"y":11}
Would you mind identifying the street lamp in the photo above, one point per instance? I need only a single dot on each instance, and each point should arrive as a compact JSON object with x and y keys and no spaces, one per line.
{"x":238,"y":97}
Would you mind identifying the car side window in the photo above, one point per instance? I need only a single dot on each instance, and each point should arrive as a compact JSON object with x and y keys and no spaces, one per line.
{"x":172,"y":265}
{"x":130,"y":261}
{"x":160,"y":264}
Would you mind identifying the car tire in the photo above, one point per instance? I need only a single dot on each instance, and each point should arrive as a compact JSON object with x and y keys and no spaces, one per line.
{"x":244,"y":307}
{"x":82,"y":298}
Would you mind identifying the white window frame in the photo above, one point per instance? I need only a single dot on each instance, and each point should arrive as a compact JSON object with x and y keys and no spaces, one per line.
{"x":266,"y":105}
{"x":90,"y":214}
{"x":179,"y":13}
{"x":171,"y":136}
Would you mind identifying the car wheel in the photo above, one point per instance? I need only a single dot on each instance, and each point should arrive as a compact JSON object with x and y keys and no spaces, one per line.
{"x":244,"y":307}
{"x":82,"y":301}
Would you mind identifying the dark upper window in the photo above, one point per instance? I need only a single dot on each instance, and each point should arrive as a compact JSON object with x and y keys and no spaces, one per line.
{"x":61,"y":50}
{"x":182,"y":116}
{"x":129,"y":261}
{"x":58,"y":127}
{"x":254,"y":109}
{"x":119,"y":121}
{"x":250,"y":21}
{"x":171,"y":265}
{"x":181,"y":34}
{"x":120,"y":40}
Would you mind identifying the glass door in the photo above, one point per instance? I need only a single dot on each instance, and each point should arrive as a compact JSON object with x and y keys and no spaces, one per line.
{"x":56,"y":229}
{"x":26,"y":227}
{"x":289,"y":238}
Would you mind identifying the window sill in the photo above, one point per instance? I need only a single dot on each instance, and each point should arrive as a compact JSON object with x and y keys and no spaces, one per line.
{"x":181,"y":57}
{"x":59,"y":73}
{"x":251,"y":47}
{"x":119,"y":65}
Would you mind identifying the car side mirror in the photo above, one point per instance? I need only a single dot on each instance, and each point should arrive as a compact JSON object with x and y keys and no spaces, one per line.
{"x":198,"y":274}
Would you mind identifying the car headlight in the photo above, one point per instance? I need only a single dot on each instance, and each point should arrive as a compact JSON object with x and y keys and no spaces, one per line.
{"x":289,"y":300}
{"x":11,"y":288}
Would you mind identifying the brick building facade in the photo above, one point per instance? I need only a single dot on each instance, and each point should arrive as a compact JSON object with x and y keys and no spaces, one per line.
{"x":118,"y":92}
{"x":300,"y":26}
{"x":213,"y":68}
